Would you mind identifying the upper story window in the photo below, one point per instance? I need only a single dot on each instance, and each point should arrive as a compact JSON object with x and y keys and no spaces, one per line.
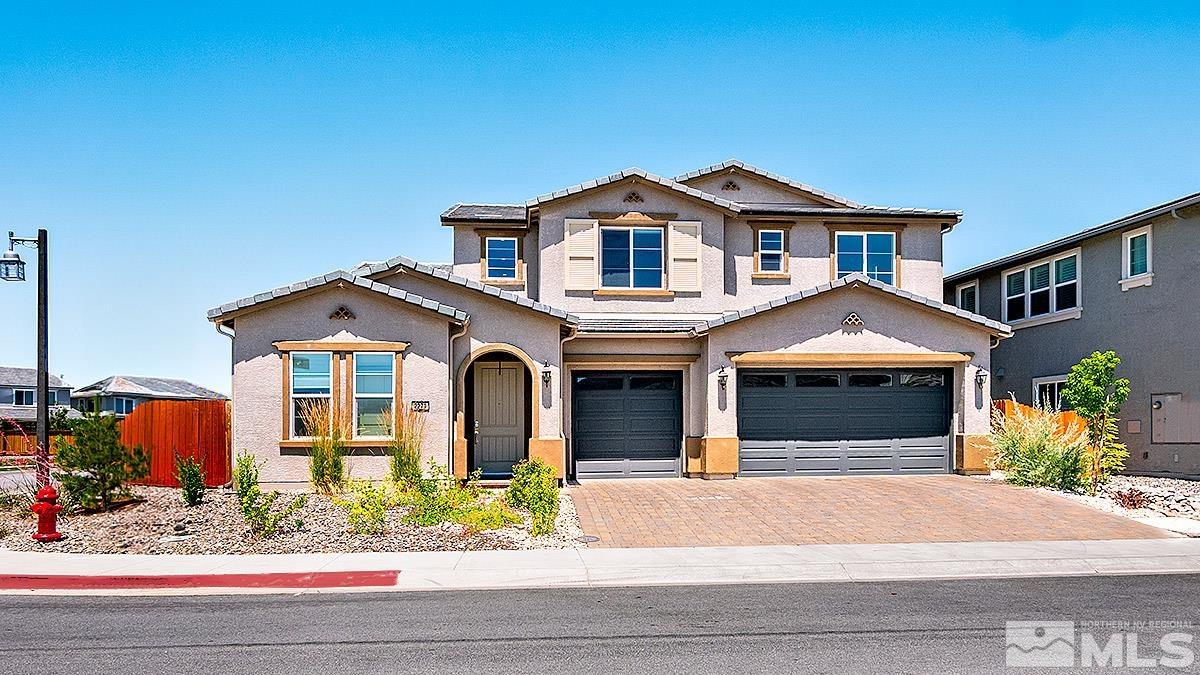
{"x":770,"y":251}
{"x":870,"y":253}
{"x":1042,"y":288}
{"x":311,"y":390}
{"x":123,"y":405}
{"x":967,"y":296}
{"x":24,"y":397}
{"x":500,"y":258}
{"x":631,"y":257}
{"x":374,"y":391}
{"x":1137,"y":258}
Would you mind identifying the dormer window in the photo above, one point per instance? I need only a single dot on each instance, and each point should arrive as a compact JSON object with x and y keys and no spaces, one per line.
{"x":631,"y":257}
{"x":870,"y":253}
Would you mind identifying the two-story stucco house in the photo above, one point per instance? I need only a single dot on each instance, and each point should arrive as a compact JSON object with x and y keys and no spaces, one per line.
{"x":726,"y":322}
{"x":1124,"y":285}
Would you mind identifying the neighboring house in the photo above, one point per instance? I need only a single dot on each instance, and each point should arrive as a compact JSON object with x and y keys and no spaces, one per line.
{"x":120,"y":394}
{"x":726,"y":322}
{"x":1125,"y":285}
{"x":18,"y":394}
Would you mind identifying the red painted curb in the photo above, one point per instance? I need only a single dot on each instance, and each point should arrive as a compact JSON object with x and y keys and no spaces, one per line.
{"x":74,"y":582}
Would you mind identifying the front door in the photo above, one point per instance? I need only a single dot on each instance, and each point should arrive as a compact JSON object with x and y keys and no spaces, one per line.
{"x":499,"y":416}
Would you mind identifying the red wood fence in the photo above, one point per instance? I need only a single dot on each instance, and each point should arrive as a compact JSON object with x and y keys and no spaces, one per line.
{"x":198,"y":429}
{"x":1066,"y":418}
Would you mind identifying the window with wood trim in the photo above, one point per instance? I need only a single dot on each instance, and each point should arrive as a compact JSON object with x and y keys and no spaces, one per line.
{"x":374,"y":394}
{"x":771,"y":249}
{"x":870,"y":253}
{"x":502,"y":258}
{"x":311,"y":386}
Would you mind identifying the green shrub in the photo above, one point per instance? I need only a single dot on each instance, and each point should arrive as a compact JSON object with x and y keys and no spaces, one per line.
{"x":96,"y":467}
{"x":534,"y":487}
{"x":256,"y":504}
{"x":190,"y":475}
{"x":366,"y":506}
{"x":404,"y":451}
{"x":1033,"y":451}
{"x":442,"y":498}
{"x":327,"y":455}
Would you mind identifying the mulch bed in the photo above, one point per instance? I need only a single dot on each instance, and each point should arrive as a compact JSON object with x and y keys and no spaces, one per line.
{"x":162,"y":524}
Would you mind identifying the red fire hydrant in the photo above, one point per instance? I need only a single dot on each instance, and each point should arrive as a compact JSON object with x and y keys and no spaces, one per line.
{"x":47,"y":507}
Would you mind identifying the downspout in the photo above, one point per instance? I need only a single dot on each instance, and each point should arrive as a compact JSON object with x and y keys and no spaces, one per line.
{"x":453,"y":373}
{"x":1175,"y":214}
{"x":218,"y":325}
{"x":572,"y":332}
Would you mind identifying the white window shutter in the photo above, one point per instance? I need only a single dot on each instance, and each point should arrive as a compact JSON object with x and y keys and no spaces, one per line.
{"x":580,"y":239}
{"x":683,"y":248}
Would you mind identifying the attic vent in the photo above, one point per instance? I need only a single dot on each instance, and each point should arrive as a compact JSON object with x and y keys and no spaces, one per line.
{"x":853,"y":320}
{"x":633,"y":198}
{"x":731,"y":186}
{"x":342,"y":314}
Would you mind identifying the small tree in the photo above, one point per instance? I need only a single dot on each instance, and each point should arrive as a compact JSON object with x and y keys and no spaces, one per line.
{"x":1096,"y":393}
{"x":96,"y":466}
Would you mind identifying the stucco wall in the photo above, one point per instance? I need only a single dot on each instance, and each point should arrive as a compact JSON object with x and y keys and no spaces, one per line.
{"x":257,"y":371}
{"x":752,"y":189}
{"x":1152,"y":328}
{"x":498,"y":321}
{"x":815,"y":325}
{"x":468,"y":246}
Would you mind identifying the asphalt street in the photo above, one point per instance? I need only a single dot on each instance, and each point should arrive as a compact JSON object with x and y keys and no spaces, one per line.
{"x":919,"y":626}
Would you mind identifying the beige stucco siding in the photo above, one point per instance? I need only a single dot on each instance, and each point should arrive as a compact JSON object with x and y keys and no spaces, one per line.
{"x":610,"y":200}
{"x":258,"y":376}
{"x":499,"y":321}
{"x":815,"y":325}
{"x":751,"y":188}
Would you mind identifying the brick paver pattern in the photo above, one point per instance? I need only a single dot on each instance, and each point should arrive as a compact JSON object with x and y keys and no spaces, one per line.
{"x":835,"y":510}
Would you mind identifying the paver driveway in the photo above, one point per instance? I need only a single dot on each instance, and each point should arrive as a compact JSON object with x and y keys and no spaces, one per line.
{"x":845,"y":510}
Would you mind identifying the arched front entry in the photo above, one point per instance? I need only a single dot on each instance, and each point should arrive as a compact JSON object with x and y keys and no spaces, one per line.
{"x":496,"y":410}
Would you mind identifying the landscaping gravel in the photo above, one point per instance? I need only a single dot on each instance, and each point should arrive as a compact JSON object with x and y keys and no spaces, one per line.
{"x":1174,"y":497}
{"x":164,"y":524}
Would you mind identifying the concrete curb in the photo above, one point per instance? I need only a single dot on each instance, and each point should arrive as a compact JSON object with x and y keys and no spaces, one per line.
{"x":463,"y":570}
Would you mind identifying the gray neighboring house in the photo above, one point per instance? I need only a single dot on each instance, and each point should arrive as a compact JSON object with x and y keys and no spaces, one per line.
{"x":1126,"y":285}
{"x":120,"y":394}
{"x":18,"y":394}
{"x":726,"y":322}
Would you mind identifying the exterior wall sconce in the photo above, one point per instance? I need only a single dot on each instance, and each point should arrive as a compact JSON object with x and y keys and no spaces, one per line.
{"x":546,"y":372}
{"x":980,"y":378}
{"x":722,"y":378}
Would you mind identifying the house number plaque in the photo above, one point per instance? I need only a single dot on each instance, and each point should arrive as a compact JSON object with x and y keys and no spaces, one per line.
{"x":420,"y":406}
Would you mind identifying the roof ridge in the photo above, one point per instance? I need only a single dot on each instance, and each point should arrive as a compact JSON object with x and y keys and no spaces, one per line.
{"x":856,"y":277}
{"x":737,"y":163}
{"x":640,"y":173}
{"x":439,"y":273}
{"x":1078,"y":236}
{"x":442,"y":308}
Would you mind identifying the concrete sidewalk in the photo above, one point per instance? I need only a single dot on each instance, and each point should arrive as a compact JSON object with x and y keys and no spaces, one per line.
{"x":630,"y":567}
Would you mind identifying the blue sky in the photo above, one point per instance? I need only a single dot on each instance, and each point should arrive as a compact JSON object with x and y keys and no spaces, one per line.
{"x":186,"y":155}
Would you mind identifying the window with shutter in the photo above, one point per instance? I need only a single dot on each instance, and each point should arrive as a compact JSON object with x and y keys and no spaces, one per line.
{"x":1042,"y":288}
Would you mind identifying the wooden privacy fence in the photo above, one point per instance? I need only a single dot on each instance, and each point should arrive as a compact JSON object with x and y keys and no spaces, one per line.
{"x":1066,"y":418}
{"x":197,"y":429}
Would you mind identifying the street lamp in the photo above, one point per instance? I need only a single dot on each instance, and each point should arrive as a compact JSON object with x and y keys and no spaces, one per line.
{"x":12,"y":268}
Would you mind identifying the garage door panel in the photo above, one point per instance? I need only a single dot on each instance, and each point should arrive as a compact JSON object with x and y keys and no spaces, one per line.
{"x":626,"y":424}
{"x":852,"y":421}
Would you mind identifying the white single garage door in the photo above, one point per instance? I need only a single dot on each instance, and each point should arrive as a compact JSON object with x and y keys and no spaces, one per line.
{"x":849,"y":421}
